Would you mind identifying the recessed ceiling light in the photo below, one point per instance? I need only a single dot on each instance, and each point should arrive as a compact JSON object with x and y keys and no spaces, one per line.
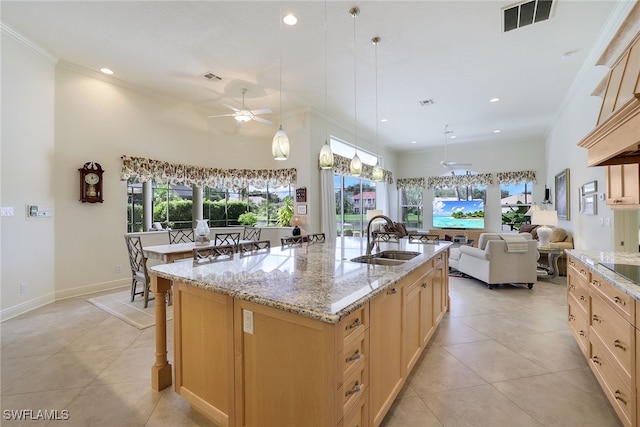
{"x":497,"y":131}
{"x":290,"y":19}
{"x":452,"y":137}
{"x":106,"y":71}
{"x":494,"y":100}
{"x":413,"y":142}
{"x":384,"y":120}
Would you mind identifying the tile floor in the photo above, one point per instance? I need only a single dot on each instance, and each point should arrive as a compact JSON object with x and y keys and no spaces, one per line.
{"x":501,"y":357}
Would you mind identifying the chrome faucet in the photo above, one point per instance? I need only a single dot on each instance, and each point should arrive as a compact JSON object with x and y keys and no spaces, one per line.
{"x":371,"y":244}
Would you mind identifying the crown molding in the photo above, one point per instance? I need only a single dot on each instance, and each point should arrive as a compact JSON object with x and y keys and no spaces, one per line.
{"x":25,"y":41}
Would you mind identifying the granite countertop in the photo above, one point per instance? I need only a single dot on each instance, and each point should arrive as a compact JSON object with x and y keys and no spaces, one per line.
{"x":314,"y":280}
{"x":593,"y":259}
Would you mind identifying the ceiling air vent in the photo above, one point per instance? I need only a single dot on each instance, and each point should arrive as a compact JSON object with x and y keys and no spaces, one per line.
{"x":427,"y":102}
{"x":211,"y":76}
{"x":526,"y":13}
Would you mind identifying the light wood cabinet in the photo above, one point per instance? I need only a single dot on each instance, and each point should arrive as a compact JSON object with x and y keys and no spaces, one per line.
{"x":602,"y":318}
{"x":623,"y":186}
{"x":246,"y":364}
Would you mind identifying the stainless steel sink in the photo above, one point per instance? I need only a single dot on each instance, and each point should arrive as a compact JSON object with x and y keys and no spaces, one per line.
{"x":386,"y":257}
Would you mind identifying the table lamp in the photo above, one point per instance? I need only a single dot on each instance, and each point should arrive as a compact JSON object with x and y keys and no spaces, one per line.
{"x":296,"y":221}
{"x":544,"y":219}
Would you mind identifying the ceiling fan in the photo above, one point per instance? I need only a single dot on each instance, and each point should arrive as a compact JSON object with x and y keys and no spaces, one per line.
{"x":243,"y":115}
{"x":444,"y":163}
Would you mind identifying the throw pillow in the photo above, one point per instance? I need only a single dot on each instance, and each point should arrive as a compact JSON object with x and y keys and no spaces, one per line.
{"x":558,"y":235}
{"x":530,"y":228}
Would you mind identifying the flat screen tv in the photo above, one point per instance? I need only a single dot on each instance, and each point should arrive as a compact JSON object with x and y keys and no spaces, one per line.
{"x":461,"y":214}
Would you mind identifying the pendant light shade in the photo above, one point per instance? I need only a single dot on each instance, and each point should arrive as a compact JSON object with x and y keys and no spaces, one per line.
{"x":378,"y":172}
{"x":280,"y":145}
{"x":355,"y":167}
{"x":326,"y":156}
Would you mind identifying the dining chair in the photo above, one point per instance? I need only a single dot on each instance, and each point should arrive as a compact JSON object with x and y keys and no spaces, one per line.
{"x":184,"y":235}
{"x":316,"y":238}
{"x":251,"y":233}
{"x":291,"y":241}
{"x":222,"y":239}
{"x":423,"y":238}
{"x":212,"y":254}
{"x":139,"y":274}
{"x":252,"y":248}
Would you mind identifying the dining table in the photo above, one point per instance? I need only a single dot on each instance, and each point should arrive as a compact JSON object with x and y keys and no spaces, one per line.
{"x":177,"y":251}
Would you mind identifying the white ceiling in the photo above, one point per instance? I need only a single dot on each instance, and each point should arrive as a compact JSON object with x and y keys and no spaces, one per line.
{"x":453,"y":52}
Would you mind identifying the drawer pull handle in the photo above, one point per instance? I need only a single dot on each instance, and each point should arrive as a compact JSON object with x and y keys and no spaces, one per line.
{"x":572,"y":287}
{"x":618,"y":344}
{"x":596,"y":283}
{"x":595,"y":318}
{"x":583,"y":334}
{"x":618,"y":396}
{"x":583,"y":298}
{"x":354,"y":325}
{"x":424,"y":285}
{"x":572,"y":317}
{"x":355,"y":356}
{"x":596,"y":360}
{"x":392,"y":291}
{"x":620,"y":301}
{"x":356,"y":388}
{"x":583,"y":272}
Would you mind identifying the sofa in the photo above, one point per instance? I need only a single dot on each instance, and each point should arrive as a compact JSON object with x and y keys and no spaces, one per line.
{"x":499,"y":258}
{"x":560,"y":239}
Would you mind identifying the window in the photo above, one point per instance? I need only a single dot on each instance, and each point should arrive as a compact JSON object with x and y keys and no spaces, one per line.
{"x":171,"y":204}
{"x":134,"y":207}
{"x":354,"y":197}
{"x":411,"y":207}
{"x":460,"y":206}
{"x":515,"y":200}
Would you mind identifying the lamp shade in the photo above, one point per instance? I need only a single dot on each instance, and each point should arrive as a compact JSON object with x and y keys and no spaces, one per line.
{"x":355,"y":167}
{"x":544,"y":218}
{"x":280,"y":145}
{"x":378,"y":172}
{"x":326,"y":156}
{"x":532,"y":209}
{"x":373,"y":212}
{"x":296,"y":220}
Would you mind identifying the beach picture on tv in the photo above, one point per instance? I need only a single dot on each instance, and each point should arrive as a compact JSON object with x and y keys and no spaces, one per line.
{"x":458,"y":213}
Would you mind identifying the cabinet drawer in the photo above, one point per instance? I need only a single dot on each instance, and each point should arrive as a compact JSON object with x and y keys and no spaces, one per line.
{"x":355,"y":352}
{"x":616,"y":334}
{"x":578,"y":288}
{"x":579,"y":324}
{"x":358,"y":415}
{"x":352,"y":325}
{"x":619,"y":393}
{"x":578,"y":268}
{"x":352,"y":389}
{"x":622,"y":302}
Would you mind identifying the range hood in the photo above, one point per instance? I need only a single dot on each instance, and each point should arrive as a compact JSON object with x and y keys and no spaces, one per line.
{"x":616,"y":138}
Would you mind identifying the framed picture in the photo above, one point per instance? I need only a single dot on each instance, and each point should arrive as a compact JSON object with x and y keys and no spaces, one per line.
{"x":302,"y":209}
{"x":590,"y":204}
{"x":590,"y":187}
{"x":301,"y":194}
{"x":563,"y":200}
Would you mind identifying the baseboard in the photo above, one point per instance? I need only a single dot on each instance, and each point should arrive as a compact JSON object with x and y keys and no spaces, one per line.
{"x":27,"y":306}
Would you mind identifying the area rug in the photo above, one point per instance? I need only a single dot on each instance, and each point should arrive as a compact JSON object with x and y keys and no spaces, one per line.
{"x":119,"y":304}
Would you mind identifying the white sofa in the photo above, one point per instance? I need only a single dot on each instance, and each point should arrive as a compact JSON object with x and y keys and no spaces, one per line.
{"x":497,"y":260}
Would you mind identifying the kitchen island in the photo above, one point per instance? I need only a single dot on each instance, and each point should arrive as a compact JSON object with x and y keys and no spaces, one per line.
{"x":301,"y":335}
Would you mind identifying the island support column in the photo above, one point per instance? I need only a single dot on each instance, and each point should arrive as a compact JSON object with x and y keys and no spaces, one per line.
{"x":161,"y":369}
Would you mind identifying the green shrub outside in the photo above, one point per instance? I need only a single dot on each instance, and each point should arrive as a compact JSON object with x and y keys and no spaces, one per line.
{"x":248,"y":218}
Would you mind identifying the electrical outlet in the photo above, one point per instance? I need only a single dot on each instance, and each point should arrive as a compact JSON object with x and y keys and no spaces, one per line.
{"x":247,"y":321}
{"x":118,"y":268}
{"x":607,"y":222}
{"x":23,"y":287}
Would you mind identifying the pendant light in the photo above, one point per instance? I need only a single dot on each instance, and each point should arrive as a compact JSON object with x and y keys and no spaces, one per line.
{"x":280,"y":143}
{"x":378,"y":172}
{"x":326,"y":155}
{"x":355,"y":167}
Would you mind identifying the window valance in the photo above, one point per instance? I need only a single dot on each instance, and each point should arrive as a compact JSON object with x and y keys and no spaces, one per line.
{"x":161,"y":172}
{"x":459,"y":180}
{"x":411,"y":183}
{"x":517,"y":177}
{"x":341,"y":166}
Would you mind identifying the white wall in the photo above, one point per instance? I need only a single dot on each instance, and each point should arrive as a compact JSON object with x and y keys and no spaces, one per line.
{"x":27,"y":250}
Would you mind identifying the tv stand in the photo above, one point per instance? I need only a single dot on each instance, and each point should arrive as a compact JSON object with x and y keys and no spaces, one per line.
{"x":471,"y":234}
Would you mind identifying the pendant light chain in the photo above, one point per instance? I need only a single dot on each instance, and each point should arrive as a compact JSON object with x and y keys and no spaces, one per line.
{"x":280,"y":144}
{"x":355,"y":166}
{"x":378,"y":172}
{"x":326,"y":155}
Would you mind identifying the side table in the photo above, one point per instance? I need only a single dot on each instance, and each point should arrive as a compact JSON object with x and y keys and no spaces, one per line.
{"x":553,"y":254}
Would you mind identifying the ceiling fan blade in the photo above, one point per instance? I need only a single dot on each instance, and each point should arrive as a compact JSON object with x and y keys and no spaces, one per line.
{"x":231,"y":107}
{"x":261,"y":120}
{"x":261,"y":111}
{"x":223,"y":115}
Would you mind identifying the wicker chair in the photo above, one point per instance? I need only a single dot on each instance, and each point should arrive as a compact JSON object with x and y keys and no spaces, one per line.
{"x":139,"y":274}
{"x":292,"y":241}
{"x":212,"y":254}
{"x":316,"y":238}
{"x":222,"y":239}
{"x":252,"y":248}
{"x":251,"y":233}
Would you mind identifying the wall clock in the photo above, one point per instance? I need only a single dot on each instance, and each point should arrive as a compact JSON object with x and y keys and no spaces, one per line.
{"x":91,"y":183}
